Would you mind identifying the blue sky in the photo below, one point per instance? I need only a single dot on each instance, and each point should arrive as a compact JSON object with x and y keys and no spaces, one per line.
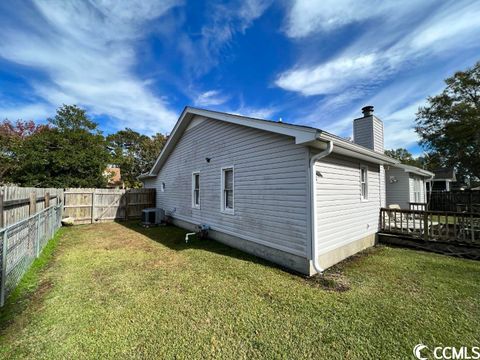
{"x":138,"y":63}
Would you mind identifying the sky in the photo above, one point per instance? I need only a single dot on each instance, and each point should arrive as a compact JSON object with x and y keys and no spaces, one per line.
{"x":137,"y":64}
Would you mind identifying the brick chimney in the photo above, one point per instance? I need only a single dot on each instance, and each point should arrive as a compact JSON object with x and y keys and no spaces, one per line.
{"x":368,"y":130}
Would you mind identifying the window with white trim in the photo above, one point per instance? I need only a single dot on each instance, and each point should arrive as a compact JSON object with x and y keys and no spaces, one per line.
{"x":364,"y":182}
{"x":227,"y":190}
{"x":196,"y":190}
{"x":417,"y":184}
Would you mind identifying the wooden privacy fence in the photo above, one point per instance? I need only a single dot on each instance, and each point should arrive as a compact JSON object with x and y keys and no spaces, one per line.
{"x":18,"y":203}
{"x":88,"y":206}
{"x":456,"y":201}
{"x":460,"y":229}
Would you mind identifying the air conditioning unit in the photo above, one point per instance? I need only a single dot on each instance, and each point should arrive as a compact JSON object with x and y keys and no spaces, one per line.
{"x":153,"y":216}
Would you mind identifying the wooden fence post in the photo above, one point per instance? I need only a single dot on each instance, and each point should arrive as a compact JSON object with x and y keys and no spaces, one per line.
{"x":3,"y":278}
{"x":32,"y":209}
{"x":47,"y":200}
{"x":93,"y":206}
{"x":126,"y":205}
{"x":1,"y":210}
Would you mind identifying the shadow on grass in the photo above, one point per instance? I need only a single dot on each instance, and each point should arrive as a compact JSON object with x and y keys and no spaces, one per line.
{"x":31,"y":285}
{"x":174,"y":238}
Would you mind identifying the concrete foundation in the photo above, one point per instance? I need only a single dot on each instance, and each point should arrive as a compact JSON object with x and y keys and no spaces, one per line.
{"x":335,"y":256}
{"x":292,"y":262}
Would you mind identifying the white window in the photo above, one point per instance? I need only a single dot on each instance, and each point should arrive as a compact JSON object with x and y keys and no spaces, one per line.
{"x":364,"y":182}
{"x":227,"y":190}
{"x":417,"y":183}
{"x":162,"y":187}
{"x":196,"y":190}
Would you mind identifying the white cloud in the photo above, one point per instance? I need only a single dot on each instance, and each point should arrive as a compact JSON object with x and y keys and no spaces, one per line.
{"x":223,"y":23}
{"x":36,"y":112}
{"x":258,"y":113}
{"x":211,"y":98}
{"x":87,"y":51}
{"x":396,"y":111}
{"x":335,"y":76}
{"x":309,"y":16}
{"x":448,"y":29}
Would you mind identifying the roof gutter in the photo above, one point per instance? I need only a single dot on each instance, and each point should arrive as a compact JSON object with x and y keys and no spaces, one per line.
{"x":356,"y":149}
{"x":145,"y":176}
{"x":313,"y":212}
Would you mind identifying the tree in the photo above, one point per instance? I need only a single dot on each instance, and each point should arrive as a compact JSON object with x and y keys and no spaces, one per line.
{"x":12,"y":134}
{"x":450,"y":124}
{"x":134,"y":153}
{"x":71,"y":152}
{"x":404,"y":156}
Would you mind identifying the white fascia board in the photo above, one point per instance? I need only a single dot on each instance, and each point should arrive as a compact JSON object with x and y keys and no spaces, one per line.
{"x":415,"y":170}
{"x":347,"y":148}
{"x":301,"y":135}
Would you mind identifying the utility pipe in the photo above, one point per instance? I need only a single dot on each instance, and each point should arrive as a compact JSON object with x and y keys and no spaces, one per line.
{"x":313,"y":221}
{"x":188,"y":235}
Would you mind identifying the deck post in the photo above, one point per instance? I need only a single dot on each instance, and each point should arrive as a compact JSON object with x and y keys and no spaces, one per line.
{"x":3,"y":278}
{"x":425,"y":226}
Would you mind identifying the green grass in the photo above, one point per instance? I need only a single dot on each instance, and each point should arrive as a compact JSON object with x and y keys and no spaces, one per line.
{"x":116,"y":291}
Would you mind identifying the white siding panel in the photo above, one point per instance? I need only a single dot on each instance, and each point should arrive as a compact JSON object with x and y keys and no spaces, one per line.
{"x":342,"y":217}
{"x":270,"y":183}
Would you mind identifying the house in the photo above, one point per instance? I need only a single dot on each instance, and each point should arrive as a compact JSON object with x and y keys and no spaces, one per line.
{"x":443,"y":180}
{"x":295,"y":195}
{"x":406,"y":184}
{"x":114,"y":177}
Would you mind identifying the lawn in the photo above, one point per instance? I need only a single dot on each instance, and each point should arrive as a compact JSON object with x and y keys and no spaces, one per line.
{"x":121,"y":291}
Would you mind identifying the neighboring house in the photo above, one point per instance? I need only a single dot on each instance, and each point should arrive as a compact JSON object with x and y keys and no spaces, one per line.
{"x":114,"y":176}
{"x":443,"y":180}
{"x":406,"y":184}
{"x":295,"y":195}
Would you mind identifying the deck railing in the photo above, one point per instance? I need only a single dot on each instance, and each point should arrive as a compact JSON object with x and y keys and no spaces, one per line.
{"x":444,"y":226}
{"x":417,"y":206}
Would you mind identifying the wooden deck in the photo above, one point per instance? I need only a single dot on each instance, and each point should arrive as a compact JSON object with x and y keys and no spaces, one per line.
{"x":453,"y":233}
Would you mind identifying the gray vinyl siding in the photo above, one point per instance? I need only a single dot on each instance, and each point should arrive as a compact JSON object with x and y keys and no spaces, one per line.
{"x":397,"y":192}
{"x":368,"y":132}
{"x":148,"y":183}
{"x":270,"y":183}
{"x":378,"y":135}
{"x":342,"y":216}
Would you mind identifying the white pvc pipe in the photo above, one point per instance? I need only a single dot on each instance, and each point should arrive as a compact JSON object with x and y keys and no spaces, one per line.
{"x":313,"y":211}
{"x":188,"y":235}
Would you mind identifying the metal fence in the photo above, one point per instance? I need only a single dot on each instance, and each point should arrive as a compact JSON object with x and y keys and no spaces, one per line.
{"x":457,"y":200}
{"x":22,"y":242}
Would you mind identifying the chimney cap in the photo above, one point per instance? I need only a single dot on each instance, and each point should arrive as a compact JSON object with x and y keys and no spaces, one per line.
{"x":367,"y":110}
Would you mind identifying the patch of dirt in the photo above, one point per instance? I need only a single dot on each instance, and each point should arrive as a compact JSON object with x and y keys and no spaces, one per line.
{"x":31,"y":301}
{"x":360,"y":256}
{"x":330,"y":281}
{"x":333,"y":279}
{"x":43,"y":288}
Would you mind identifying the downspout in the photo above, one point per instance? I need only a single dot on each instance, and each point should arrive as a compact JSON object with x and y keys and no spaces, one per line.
{"x":313,"y":211}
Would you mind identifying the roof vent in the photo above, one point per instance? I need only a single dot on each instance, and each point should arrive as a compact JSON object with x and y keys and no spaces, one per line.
{"x":367,"y":110}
